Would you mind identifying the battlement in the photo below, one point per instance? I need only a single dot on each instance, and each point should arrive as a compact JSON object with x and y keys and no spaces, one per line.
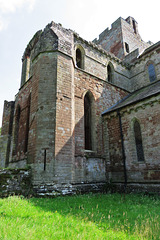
{"x":122,"y":38}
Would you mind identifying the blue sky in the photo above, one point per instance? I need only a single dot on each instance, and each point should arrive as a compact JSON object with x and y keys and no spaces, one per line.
{"x":20,"y":19}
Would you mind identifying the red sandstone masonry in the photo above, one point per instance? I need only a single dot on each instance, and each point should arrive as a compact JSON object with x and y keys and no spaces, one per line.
{"x":56,"y":144}
{"x":148,"y":118}
{"x":104,"y":98}
{"x":22,"y":103}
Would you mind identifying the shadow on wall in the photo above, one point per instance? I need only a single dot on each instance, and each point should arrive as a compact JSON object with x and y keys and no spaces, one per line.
{"x":80,"y":158}
{"x":80,"y":150}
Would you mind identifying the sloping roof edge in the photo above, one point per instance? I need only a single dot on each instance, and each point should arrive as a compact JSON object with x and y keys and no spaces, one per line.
{"x":137,"y":96}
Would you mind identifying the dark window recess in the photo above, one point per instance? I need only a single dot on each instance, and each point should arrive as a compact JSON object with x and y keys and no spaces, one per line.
{"x":151,"y":72}
{"x":27,"y":124}
{"x":127,"y":47}
{"x":16,"y":133}
{"x":138,"y":141}
{"x":134,"y":26}
{"x":78,"y":58}
{"x":109,"y":73}
{"x":87,"y":122}
{"x":45,"y":158}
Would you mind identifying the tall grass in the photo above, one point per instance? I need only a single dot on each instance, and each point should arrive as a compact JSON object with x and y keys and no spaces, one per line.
{"x":93,"y":216}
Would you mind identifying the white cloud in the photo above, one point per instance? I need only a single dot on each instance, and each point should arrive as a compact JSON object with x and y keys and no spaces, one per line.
{"x":8,"y":6}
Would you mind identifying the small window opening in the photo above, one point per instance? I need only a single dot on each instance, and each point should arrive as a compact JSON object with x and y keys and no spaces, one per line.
{"x":27,"y":124}
{"x":45,"y":158}
{"x":25,"y":70}
{"x":16,"y":133}
{"x":109,"y":69}
{"x":28,"y":65}
{"x":127,"y":47}
{"x":78,"y":58}
{"x":87,"y":122}
{"x":134,"y":26}
{"x":138,"y":141}
{"x":151,"y":72}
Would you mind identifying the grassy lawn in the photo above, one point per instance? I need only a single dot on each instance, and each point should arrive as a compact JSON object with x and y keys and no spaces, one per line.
{"x":93,"y":216}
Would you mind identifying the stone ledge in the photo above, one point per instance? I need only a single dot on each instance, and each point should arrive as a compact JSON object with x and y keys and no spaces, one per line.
{"x":54,"y":190}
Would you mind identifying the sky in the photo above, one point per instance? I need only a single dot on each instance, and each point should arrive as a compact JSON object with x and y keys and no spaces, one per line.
{"x":21,"y":19}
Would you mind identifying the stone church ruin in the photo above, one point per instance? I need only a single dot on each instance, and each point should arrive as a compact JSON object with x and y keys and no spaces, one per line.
{"x":86,"y":113}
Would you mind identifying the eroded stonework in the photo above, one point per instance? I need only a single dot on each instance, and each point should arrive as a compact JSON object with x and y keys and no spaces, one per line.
{"x":73,"y":118}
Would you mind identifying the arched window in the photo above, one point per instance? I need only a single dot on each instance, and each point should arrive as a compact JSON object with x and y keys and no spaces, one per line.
{"x":110,"y":73}
{"x":138,"y":141}
{"x":127,"y":47}
{"x":151,"y":72}
{"x":25,"y":69}
{"x":87,"y":122}
{"x":78,"y":58}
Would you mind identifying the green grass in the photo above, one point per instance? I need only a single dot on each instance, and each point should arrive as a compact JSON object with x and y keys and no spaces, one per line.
{"x":93,"y":216}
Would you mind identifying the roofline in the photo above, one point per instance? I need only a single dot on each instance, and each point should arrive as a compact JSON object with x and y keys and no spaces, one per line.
{"x":100,"y":49}
{"x":149,"y":49}
{"x":109,"y":110}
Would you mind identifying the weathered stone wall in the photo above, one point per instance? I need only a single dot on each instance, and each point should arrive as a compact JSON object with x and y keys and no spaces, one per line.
{"x":19,"y":182}
{"x":56,"y":89}
{"x":114,"y":158}
{"x":96,"y":62}
{"x":48,"y":125}
{"x":53,"y":126}
{"x":104,"y":96}
{"x":131,"y":36}
{"x":132,"y":56}
{"x":56,"y":126}
{"x":110,"y":39}
{"x":7,"y":119}
{"x":6,"y":132}
{"x":90,"y":169}
{"x":144,"y":172}
{"x":148,"y":115}
{"x":139,"y":71}
{"x":20,"y":130}
{"x":15,"y":182}
{"x":64,"y":139}
{"x":3,"y":150}
{"x":43,"y":116}
{"x":122,"y":31}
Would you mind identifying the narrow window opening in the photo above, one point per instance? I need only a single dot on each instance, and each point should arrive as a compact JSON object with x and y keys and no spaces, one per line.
{"x":87,"y":122}
{"x":16,"y":133}
{"x":109,"y":73}
{"x":138,"y":141}
{"x":127,"y":47}
{"x":27,"y":125}
{"x":134,"y":26}
{"x":28,"y":68}
{"x":25,"y":70}
{"x":78,"y":58}
{"x":151,"y":72}
{"x":45,"y":157}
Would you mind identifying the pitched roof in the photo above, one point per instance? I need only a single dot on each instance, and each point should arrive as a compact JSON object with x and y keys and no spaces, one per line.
{"x":137,"y":96}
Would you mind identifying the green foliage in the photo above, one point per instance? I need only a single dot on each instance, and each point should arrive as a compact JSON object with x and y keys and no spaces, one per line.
{"x":93,"y":216}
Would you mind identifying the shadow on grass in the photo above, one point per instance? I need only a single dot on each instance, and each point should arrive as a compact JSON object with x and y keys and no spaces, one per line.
{"x":136,"y":216}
